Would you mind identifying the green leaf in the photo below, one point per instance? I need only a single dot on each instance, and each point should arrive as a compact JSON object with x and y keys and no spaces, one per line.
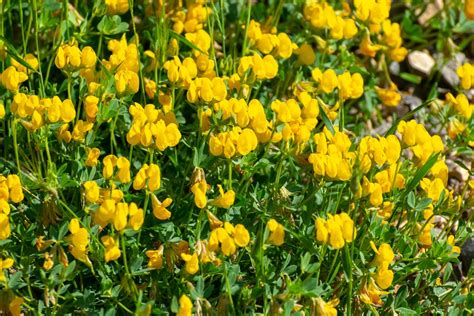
{"x":324,"y":116}
{"x":410,"y":77}
{"x":110,"y":25}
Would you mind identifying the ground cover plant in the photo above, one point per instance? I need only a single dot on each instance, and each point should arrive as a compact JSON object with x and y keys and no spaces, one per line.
{"x":236,"y":157}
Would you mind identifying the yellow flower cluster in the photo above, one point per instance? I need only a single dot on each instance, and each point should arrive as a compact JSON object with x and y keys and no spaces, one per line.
{"x":322,"y":15}
{"x":207,"y":90}
{"x":70,"y":58}
{"x":150,"y":126}
{"x":299,"y":121}
{"x":371,"y":293}
{"x":237,"y":141}
{"x":336,"y":231}
{"x":461,"y":105}
{"x":420,"y":142}
{"x":192,"y":20}
{"x":36,"y":112}
{"x":383,"y":258}
{"x":224,"y":200}
{"x":268,"y":42}
{"x":254,"y":67}
{"x":332,"y":158}
{"x":350,"y":86}
{"x":389,"y":96}
{"x":10,"y":190}
{"x":228,"y":238}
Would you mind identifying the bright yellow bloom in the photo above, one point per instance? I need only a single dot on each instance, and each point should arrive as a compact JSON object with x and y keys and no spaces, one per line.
{"x":326,"y":309}
{"x":390,"y":96}
{"x":277,"y":232}
{"x":185,"y":306}
{"x":160,"y":208}
{"x":225,"y":200}
{"x":155,"y":258}
{"x":92,"y":191}
{"x":112,"y":250}
{"x":11,"y":78}
{"x":199,"y":190}
{"x":192,"y":262}
{"x":92,"y":157}
{"x":5,"y":264}
{"x":79,"y":240}
{"x":116,"y":6}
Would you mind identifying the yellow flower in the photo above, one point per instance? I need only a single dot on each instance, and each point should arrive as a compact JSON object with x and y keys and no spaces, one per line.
{"x":116,"y":6}
{"x":384,"y":276}
{"x":79,"y":239}
{"x":154,"y":175}
{"x":348,"y":230}
{"x":326,"y":309}
{"x":367,"y":48}
{"x":155,"y":258}
{"x":109,"y":162}
{"x":306,"y":55}
{"x":80,"y":130}
{"x":141,"y":177}
{"x":433,"y":188}
{"x":2,"y":110}
{"x":322,"y":232}
{"x":371,"y":294}
{"x":126,"y":82}
{"x":5,"y":229}
{"x":68,"y":112}
{"x":241,"y":235}
{"x":92,"y":191}
{"x":185,"y":306}
{"x":5,"y":264}
{"x":136,"y":216}
{"x":329,"y":81}
{"x":120,"y":216}
{"x":285,"y":46}
{"x":336,"y":239}
{"x":112,"y":251}
{"x":160,"y":208}
{"x":350,"y":28}
{"x":461,"y":105}
{"x":105,"y":213}
{"x":383,"y":254}
{"x":469,"y":9}
{"x":466,"y":73}
{"x":451,"y":242}
{"x":192,"y":262}
{"x":277,"y":232}
{"x":425,"y":235}
{"x":390,"y":96}
{"x":11,"y":78}
{"x":91,"y":108}
{"x":199,"y":190}
{"x":88,"y":57}
{"x":92,"y":157}
{"x":16,"y":191}
{"x":68,"y":57}
{"x":225,"y":200}
{"x":123,"y":166}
